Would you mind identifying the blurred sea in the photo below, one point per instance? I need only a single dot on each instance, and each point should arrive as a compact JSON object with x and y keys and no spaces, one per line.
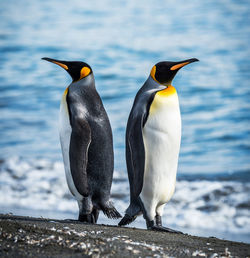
{"x":122,"y":40}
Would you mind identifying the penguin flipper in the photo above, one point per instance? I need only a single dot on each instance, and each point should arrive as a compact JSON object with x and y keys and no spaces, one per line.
{"x":135,"y":155}
{"x":78,"y":154}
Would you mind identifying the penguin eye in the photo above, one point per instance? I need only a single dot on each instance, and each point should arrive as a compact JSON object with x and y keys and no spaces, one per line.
{"x":85,"y":71}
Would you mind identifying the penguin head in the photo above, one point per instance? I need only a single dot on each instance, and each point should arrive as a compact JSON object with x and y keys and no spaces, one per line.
{"x":77,"y":70}
{"x":164,"y":72}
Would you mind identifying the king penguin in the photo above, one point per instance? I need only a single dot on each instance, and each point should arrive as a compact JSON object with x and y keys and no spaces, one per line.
{"x":86,"y":143}
{"x":153,"y":137}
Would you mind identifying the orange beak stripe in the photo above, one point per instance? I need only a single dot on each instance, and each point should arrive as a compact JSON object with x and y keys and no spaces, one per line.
{"x":62,"y":65}
{"x":178,"y":66}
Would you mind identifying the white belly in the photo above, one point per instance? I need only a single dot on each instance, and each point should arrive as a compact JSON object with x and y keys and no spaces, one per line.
{"x":162,"y":136}
{"x":65,"y":134}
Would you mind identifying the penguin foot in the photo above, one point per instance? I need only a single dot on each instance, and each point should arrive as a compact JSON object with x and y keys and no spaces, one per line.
{"x":157,"y":226}
{"x":70,"y":220}
{"x":89,"y":218}
{"x":110,"y":211}
{"x":164,"y":229}
{"x":95,"y":213}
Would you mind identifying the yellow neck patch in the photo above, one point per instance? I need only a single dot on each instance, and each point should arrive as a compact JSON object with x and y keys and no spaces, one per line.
{"x":85,"y":71}
{"x":170,"y":90}
{"x":164,"y":99}
{"x":66,"y":91}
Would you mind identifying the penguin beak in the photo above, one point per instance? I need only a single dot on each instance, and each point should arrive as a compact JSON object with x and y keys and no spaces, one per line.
{"x":180,"y":64}
{"x":58,"y":62}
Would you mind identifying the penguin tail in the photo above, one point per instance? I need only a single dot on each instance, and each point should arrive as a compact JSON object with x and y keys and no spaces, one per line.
{"x":110,"y":211}
{"x":127,"y":219}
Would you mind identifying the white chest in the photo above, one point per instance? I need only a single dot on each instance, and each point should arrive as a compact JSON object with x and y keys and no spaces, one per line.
{"x":162,"y":136}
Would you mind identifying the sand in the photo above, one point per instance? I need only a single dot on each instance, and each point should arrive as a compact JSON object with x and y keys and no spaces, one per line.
{"x":39,"y":237}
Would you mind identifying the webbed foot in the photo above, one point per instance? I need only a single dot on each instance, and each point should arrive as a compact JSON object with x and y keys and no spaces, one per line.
{"x":156,"y":225}
{"x":70,"y":220}
{"x":164,"y":229}
{"x":87,"y":218}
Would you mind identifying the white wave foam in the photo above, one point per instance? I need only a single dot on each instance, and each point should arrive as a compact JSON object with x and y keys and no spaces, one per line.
{"x":202,"y":205}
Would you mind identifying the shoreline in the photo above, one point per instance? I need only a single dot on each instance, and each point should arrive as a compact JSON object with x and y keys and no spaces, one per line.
{"x":23,"y":236}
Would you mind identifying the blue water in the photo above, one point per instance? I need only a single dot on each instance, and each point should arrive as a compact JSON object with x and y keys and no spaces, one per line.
{"x":122,"y":40}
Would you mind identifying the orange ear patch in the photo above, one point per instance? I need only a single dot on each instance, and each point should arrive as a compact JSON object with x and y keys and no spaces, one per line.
{"x":178,"y":66}
{"x":152,"y":73}
{"x":85,"y":71}
{"x":170,"y":90}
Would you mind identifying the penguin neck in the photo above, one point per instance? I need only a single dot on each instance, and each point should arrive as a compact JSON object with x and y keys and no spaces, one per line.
{"x":156,"y":84}
{"x":88,"y":81}
{"x":168,"y":91}
{"x":162,"y":90}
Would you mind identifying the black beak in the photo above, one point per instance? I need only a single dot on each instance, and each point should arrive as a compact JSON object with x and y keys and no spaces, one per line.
{"x":63,"y":64}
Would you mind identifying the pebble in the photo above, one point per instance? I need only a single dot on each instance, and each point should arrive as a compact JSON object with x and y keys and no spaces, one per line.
{"x":198,"y":253}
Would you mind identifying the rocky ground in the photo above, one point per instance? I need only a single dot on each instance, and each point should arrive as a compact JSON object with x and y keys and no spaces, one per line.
{"x":38,"y":237}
